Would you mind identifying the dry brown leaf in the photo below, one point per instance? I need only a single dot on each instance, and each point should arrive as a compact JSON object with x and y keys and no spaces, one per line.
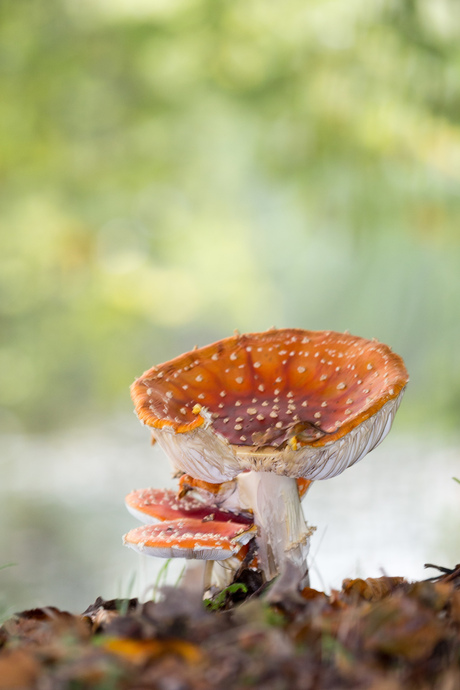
{"x":373,"y":588}
{"x":401,"y":627}
{"x":309,"y":594}
{"x":433,"y":595}
{"x":41,"y":626}
{"x":455,"y":606}
{"x":18,"y":669}
{"x":141,"y":651}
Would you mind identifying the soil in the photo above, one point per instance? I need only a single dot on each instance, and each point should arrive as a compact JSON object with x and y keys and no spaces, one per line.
{"x":374,"y":634}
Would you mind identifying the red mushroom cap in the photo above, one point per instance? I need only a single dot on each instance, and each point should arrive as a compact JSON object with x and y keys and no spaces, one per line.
{"x":190,"y":538}
{"x":272,"y":394}
{"x":153,"y":505}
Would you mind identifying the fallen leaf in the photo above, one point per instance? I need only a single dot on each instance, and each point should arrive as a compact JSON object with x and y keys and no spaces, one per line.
{"x":18,"y":669}
{"x":373,"y":588}
{"x":140,"y":651}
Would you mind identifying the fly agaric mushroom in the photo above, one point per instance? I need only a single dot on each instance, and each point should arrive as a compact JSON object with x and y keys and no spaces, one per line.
{"x":196,"y":500}
{"x":190,"y":538}
{"x":154,"y":505}
{"x":273,"y":407}
{"x":190,"y":528}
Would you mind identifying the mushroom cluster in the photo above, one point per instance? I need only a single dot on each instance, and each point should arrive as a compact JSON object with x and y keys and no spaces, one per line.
{"x":252,"y":416}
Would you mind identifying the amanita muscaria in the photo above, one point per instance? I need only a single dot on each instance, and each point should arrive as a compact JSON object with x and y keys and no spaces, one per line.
{"x":268,"y":408}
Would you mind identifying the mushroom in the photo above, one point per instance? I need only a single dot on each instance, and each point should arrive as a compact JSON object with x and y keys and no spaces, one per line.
{"x":190,"y":538}
{"x":269,"y":408}
{"x":154,"y":505}
{"x":196,"y":500}
{"x":179,"y":516}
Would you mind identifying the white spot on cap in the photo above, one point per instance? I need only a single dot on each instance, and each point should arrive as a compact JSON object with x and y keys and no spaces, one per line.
{"x":243,"y":438}
{"x":300,"y":370}
{"x":237,"y":427}
{"x":222,"y":394}
{"x":200,"y":396}
{"x":369,"y":366}
{"x":237,"y":403}
{"x":198,"y":378}
{"x":169,"y":394}
{"x":183,"y":410}
{"x":341,"y":386}
{"x":239,"y":379}
{"x":260,"y":417}
{"x":261,"y":387}
{"x":252,"y":410}
{"x":279,"y":425}
{"x":273,"y":414}
{"x":323,"y":377}
{"x":149,"y":391}
{"x":215,"y":356}
{"x":256,"y":365}
{"x":348,"y":411}
{"x":305,"y":403}
{"x":233,"y":356}
{"x":317,"y":415}
{"x":239,"y":419}
{"x":324,"y":404}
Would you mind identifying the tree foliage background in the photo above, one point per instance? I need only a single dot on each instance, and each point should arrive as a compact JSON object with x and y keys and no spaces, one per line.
{"x":174,"y":169}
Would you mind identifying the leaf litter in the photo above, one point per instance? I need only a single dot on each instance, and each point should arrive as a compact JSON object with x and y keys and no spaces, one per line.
{"x":379,"y":634}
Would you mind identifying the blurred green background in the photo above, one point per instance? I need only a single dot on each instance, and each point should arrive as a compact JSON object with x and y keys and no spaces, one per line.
{"x":174,"y":169}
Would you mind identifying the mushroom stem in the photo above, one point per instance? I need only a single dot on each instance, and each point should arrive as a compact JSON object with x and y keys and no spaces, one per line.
{"x":282,"y":532}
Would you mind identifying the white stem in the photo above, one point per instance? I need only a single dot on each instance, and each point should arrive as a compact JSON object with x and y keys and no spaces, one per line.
{"x":207,"y":575}
{"x":283,"y":535}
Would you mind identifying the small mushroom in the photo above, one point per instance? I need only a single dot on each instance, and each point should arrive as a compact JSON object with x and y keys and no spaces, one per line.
{"x":190,"y":538}
{"x":151,"y":506}
{"x":270,"y":408}
{"x":154,"y":505}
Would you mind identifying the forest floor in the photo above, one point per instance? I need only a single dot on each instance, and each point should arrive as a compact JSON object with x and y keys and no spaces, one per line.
{"x":377,"y":634}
